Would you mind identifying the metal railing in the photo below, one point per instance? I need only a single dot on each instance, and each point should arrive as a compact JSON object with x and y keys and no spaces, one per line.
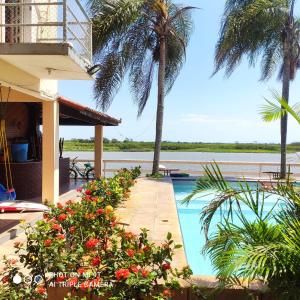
{"x":47,"y":21}
{"x":237,"y":169}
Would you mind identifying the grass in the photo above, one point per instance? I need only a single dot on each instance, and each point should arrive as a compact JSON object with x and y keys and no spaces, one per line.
{"x":132,"y":146}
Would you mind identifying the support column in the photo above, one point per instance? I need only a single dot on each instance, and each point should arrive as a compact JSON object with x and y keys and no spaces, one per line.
{"x":50,"y":165}
{"x":98,"y":150}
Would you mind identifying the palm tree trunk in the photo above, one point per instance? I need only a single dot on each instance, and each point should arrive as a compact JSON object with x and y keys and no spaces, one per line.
{"x":285,"y":95}
{"x":160,"y":104}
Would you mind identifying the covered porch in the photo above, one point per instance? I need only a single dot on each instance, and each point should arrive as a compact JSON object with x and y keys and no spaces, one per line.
{"x":37,"y":120}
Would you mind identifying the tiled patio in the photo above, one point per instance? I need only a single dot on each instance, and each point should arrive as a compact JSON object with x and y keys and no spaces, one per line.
{"x":152,"y":206}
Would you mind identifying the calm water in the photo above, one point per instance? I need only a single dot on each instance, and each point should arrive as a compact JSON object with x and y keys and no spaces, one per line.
{"x":189,"y":217}
{"x":193,"y":156}
{"x":204,"y":156}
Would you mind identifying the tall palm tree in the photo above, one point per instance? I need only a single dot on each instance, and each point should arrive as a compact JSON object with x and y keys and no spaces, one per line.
{"x":137,"y":37}
{"x":264,"y":28}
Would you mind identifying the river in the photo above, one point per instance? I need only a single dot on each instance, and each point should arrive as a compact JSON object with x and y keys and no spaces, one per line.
{"x":193,"y":156}
{"x":198,"y":156}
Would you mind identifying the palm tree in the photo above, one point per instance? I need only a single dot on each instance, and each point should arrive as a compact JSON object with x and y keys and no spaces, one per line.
{"x":261,"y":246}
{"x":267,"y":29}
{"x":136,"y":37}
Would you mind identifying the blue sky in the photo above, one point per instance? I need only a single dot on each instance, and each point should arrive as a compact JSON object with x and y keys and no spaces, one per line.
{"x":199,"y":108}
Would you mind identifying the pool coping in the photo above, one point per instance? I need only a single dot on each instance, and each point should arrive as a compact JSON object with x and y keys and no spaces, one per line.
{"x":152,"y":205}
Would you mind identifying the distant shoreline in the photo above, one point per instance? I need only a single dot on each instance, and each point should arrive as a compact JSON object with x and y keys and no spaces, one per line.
{"x":132,"y":146}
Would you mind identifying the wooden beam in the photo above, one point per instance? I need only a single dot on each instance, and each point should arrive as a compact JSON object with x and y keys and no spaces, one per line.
{"x":98,"y":150}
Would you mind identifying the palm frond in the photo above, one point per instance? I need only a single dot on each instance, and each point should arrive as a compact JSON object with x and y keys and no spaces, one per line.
{"x":248,"y":29}
{"x":272,"y":111}
{"x":126,"y":40}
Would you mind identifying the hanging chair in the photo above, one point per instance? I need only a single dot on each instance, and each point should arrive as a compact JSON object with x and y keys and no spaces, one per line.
{"x":7,"y":193}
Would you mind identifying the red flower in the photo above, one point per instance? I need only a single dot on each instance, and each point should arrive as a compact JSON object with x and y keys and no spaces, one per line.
{"x":56,"y":226}
{"x":41,"y":290}
{"x":47,"y":243}
{"x":96,"y":261}
{"x":108,"y":193}
{"x":91,"y":243}
{"x":100,"y":211}
{"x":60,"y":278}
{"x":5,"y":279}
{"x":62,"y":217}
{"x":89,"y":216}
{"x":88,"y":192}
{"x":167,"y":293}
{"x":79,"y":190}
{"x":134,"y":269}
{"x":72,"y":229}
{"x":144,"y":273}
{"x":146,"y":248}
{"x":130,"y":252}
{"x":129,"y":235}
{"x":59,"y":205}
{"x":81,"y":271}
{"x":122,"y":274}
{"x":84,"y":285}
{"x":60,"y":236}
{"x":73,"y":281}
{"x":166,"y":266}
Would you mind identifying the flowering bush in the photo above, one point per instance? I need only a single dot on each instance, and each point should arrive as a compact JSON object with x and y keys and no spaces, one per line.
{"x":111,"y":191}
{"x":81,"y":246}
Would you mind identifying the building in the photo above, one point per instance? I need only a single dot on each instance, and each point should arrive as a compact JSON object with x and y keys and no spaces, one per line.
{"x":42,"y":42}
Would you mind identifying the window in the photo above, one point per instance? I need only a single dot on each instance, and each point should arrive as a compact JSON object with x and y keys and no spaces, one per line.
{"x":13,"y":17}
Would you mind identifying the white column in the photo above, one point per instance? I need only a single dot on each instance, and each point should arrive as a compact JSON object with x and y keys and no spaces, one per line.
{"x":98,"y":150}
{"x":50,"y":172}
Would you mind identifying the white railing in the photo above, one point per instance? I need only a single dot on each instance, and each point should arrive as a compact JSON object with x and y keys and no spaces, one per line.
{"x":228,"y":168}
{"x":47,"y":21}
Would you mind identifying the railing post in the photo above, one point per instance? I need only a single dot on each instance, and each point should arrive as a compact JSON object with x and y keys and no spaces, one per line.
{"x":65,"y":21}
{"x":104,"y":168}
{"x":91,"y":42}
{"x":260,"y":170}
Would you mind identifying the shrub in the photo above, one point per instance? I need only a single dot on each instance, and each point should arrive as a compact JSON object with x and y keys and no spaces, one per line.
{"x":82,"y":246}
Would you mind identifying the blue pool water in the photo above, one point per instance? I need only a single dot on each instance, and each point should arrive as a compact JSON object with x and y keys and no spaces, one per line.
{"x":189,"y":217}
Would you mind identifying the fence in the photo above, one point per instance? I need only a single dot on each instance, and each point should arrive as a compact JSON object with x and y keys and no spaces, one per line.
{"x":47,"y":21}
{"x":228,"y":168}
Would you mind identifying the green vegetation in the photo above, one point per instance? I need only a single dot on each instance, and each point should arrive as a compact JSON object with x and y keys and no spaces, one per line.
{"x":261,"y":247}
{"x":132,"y":146}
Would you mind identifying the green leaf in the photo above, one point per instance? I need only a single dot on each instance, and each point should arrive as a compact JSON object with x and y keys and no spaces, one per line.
{"x":169,"y":236}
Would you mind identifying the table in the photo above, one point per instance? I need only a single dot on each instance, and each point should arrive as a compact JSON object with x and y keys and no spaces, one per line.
{"x":166,"y":171}
{"x":276,"y":175}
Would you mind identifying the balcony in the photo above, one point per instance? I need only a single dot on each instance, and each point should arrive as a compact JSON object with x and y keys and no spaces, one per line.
{"x":49,"y":39}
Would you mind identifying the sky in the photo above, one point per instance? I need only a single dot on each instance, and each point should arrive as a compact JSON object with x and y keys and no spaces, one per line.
{"x":200,"y":108}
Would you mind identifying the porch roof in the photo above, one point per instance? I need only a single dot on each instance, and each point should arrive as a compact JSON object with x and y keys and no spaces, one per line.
{"x":72,"y":113}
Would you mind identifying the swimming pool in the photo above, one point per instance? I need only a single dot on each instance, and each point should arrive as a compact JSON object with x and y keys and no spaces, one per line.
{"x":189,"y":217}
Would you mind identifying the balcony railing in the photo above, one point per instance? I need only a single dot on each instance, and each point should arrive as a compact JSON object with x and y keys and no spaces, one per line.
{"x":47,"y":21}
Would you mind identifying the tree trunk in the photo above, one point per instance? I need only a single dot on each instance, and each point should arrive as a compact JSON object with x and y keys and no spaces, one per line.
{"x":160,"y":104}
{"x":285,"y":95}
